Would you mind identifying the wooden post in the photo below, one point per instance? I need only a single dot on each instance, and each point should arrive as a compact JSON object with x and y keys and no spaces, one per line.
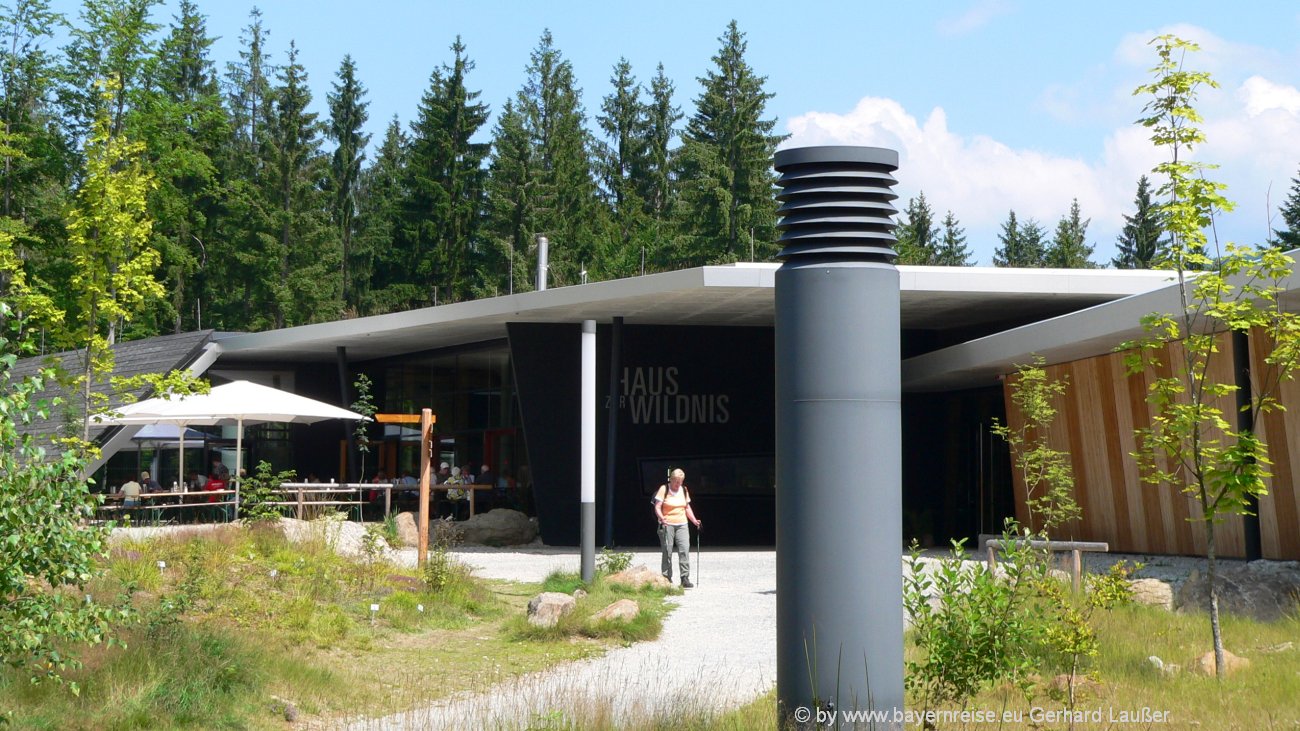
{"x":993,"y":561}
{"x":300,"y":502}
{"x":426,"y":430}
{"x":388,"y":501}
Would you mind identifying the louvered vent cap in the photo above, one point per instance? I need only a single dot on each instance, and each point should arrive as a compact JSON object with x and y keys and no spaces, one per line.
{"x":837,"y":201}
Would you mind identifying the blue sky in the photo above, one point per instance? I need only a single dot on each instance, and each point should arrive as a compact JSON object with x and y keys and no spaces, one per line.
{"x":993,"y":104}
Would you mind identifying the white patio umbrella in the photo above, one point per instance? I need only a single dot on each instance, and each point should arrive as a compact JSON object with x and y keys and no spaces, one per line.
{"x":238,"y":402}
{"x":169,"y":435}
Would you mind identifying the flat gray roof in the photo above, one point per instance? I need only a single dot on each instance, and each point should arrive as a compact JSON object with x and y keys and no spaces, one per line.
{"x":1081,"y":334}
{"x":932,"y":298}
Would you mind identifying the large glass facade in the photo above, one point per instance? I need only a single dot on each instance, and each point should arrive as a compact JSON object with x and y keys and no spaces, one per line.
{"x":476,"y":414}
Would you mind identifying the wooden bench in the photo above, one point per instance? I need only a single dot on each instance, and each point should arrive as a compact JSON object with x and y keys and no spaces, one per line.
{"x":1076,"y":549}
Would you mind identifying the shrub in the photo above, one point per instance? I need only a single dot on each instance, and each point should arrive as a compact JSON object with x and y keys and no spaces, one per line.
{"x":978,"y":629}
{"x":612,"y":562}
{"x":259,"y":490}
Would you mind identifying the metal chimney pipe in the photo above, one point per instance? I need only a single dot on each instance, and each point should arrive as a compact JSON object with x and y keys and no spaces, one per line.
{"x":543,"y":254}
{"x":838,"y":420}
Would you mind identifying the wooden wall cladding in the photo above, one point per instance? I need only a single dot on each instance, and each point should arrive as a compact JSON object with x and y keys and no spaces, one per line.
{"x":1279,"y":511}
{"x":1095,"y":423}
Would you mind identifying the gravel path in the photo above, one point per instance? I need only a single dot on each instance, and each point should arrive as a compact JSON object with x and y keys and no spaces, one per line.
{"x":717,"y":651}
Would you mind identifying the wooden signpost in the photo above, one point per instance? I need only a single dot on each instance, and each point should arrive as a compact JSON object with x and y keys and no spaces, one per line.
{"x":426,"y":421}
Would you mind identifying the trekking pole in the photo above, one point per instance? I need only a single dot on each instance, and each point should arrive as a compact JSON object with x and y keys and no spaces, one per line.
{"x":697,"y":555}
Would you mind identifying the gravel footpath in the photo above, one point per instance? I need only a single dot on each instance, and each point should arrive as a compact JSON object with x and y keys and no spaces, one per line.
{"x":717,"y":651}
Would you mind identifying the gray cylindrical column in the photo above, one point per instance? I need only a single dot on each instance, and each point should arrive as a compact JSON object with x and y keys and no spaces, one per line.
{"x":838,"y":491}
{"x":587,"y":468}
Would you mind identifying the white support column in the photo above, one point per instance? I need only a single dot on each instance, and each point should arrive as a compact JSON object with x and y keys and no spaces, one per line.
{"x":587,"y":468}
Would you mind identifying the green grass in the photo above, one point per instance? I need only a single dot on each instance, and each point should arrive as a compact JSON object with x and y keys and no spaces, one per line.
{"x":1262,"y":696}
{"x":241,"y":621}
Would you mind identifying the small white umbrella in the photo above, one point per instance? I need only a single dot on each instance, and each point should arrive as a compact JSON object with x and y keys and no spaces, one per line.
{"x":240,"y":402}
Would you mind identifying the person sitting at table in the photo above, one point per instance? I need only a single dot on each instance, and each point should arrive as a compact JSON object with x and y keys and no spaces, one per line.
{"x":130,"y":492}
{"x":149,"y":483}
{"x":410,"y":485}
{"x":197,"y":481}
{"x":214,"y":483}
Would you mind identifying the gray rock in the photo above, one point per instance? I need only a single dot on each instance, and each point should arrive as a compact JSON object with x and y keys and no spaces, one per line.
{"x":639,"y":576}
{"x":500,"y":527}
{"x":408,"y":534}
{"x":545,"y":609}
{"x":579,"y":593}
{"x":1264,"y":590}
{"x":1152,"y":593}
{"x":623,"y":610}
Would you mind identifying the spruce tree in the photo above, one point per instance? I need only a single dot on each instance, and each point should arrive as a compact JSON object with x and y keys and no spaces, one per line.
{"x":379,"y":208}
{"x":542,"y":152}
{"x":1289,"y":237}
{"x":952,"y":244}
{"x":620,"y":159}
{"x":236,"y":253}
{"x":917,"y":238}
{"x":444,"y":187}
{"x":348,"y":117}
{"x":249,"y":86}
{"x":184,"y":126}
{"x":301,"y":255}
{"x":727,"y":197}
{"x":1069,"y":248}
{"x":659,"y":123}
{"x":1021,"y":244}
{"x":1139,"y":243}
{"x":512,"y":204}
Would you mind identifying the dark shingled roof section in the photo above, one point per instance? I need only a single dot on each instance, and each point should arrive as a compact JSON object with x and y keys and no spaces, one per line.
{"x":151,"y":355}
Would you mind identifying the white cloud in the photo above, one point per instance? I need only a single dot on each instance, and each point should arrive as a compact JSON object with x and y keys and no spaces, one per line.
{"x":1259,"y":95}
{"x":976,"y":17}
{"x":980,"y":178}
{"x":1252,"y":126}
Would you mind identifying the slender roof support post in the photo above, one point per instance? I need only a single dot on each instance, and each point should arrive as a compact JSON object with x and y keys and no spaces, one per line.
{"x":587,"y":468}
{"x":612,"y":413}
{"x":839,"y":607}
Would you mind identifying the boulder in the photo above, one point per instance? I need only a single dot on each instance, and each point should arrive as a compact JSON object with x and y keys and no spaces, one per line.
{"x":639,"y":576}
{"x":1231,"y":663}
{"x":1152,"y":593}
{"x":500,"y":527}
{"x":623,"y":610}
{"x":408,"y":534}
{"x":1263,"y":590}
{"x":545,"y":609}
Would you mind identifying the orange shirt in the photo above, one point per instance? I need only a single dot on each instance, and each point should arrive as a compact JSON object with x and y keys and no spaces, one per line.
{"x":673,"y":504}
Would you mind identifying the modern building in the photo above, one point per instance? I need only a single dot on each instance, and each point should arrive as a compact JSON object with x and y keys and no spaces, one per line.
{"x":685,"y":364}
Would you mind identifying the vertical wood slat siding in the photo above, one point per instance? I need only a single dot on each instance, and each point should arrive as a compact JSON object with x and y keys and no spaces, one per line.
{"x":1279,"y":511}
{"x":1097,"y":416}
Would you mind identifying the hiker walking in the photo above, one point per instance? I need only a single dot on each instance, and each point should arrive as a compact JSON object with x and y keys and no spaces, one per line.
{"x":673,"y":509}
